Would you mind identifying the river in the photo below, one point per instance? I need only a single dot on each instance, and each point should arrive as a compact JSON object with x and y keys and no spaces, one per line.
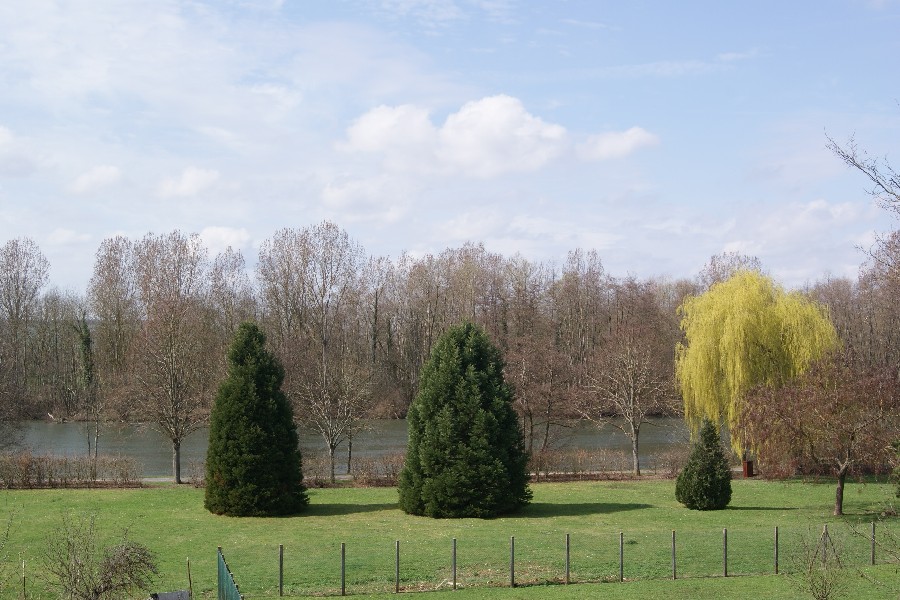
{"x":378,"y":438}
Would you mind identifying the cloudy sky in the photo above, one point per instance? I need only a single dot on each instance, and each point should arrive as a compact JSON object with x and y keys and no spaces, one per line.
{"x":658,"y":133}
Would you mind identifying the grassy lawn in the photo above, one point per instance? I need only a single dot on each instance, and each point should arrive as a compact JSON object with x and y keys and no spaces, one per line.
{"x":172,"y":522}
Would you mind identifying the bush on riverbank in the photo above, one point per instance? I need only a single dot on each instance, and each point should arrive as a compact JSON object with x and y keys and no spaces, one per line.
{"x":24,"y":470}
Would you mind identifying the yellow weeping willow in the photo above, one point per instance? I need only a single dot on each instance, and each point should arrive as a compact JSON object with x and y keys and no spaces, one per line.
{"x":743,"y":332}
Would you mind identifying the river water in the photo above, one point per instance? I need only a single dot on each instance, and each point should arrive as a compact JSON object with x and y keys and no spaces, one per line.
{"x":378,"y":438}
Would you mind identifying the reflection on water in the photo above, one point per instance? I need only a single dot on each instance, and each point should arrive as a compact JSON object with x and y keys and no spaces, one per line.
{"x":379,"y":437}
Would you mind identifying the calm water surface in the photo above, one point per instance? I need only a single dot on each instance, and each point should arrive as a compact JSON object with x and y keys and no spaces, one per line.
{"x":379,"y":437}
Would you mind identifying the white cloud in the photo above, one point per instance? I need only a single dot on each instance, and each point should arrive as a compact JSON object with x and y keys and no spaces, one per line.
{"x":99,"y":177}
{"x":813,"y":219}
{"x":192,"y":181}
{"x":485,"y":138}
{"x":497,"y":135}
{"x":217,"y":239}
{"x":381,"y":199}
{"x":616,"y":144}
{"x":473,"y":226}
{"x":404,"y":130}
{"x":64,"y":237}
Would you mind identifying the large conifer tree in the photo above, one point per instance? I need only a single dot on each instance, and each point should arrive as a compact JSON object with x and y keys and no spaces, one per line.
{"x":253,"y":463}
{"x":466,"y":456}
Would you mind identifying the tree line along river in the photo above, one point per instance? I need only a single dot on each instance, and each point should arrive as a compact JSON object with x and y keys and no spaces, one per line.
{"x":380,"y":437}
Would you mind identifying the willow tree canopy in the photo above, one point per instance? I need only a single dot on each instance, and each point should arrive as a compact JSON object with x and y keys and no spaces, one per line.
{"x":744,"y":332}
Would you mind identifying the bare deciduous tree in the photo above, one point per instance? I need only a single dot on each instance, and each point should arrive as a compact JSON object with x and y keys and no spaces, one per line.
{"x":335,"y":388}
{"x":722,"y":266}
{"x":113,"y":304}
{"x":23,"y":273}
{"x":174,"y":368}
{"x":53,"y":354}
{"x":833,"y":418}
{"x":632,"y":377}
{"x":312,"y":289}
{"x":885,"y":181}
{"x":541,"y":378}
{"x":282,"y":272}
{"x":580,"y":309}
{"x":231,"y":293}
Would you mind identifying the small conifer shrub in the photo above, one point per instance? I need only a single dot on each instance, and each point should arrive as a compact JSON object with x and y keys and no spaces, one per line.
{"x":253,"y":463}
{"x":705,"y":481}
{"x":466,"y":456}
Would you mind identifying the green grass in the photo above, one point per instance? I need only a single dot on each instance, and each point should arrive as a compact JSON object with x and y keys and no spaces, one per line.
{"x":172,"y":522}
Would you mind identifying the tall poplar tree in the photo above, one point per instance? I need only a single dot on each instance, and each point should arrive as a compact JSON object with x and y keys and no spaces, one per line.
{"x":744,"y":332}
{"x":466,"y":456}
{"x":253,"y":462}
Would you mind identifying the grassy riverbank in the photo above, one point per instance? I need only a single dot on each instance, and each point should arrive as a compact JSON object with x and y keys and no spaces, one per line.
{"x":171,"y":521}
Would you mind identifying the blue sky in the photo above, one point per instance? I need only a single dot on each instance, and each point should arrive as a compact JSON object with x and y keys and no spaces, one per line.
{"x":657,"y":133}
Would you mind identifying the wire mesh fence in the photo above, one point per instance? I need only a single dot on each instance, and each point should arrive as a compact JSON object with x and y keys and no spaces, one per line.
{"x":226,"y":587}
{"x":364,"y":564}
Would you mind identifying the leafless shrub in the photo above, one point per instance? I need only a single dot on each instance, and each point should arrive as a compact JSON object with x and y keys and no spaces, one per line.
{"x":316,"y":469}
{"x":670,"y":461}
{"x":79,"y":569}
{"x":197,"y":473}
{"x":379,"y":471}
{"x":567,"y":464}
{"x":25,"y":470}
{"x":817,"y":568}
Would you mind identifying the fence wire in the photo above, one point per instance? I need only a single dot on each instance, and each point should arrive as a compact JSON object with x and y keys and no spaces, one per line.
{"x":312,"y":566}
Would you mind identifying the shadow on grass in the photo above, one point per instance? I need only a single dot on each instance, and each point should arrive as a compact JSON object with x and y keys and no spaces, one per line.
{"x":331,"y":509}
{"x":546,"y":510}
{"x":782,"y":508}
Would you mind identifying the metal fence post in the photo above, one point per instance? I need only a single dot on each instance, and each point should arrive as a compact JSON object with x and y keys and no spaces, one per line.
{"x":397,"y":567}
{"x":512,"y":561}
{"x":454,"y":563}
{"x":343,"y":569}
{"x":568,"y":547}
{"x":674,"y":572}
{"x":281,"y":569}
{"x":725,"y":551}
{"x":621,"y":556}
{"x":776,"y":549}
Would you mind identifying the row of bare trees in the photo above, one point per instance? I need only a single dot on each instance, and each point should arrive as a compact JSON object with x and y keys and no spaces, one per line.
{"x":147,"y":340}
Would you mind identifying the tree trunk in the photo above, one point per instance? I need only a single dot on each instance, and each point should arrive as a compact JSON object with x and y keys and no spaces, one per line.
{"x":93,"y":452}
{"x":176,"y":460}
{"x":350,"y":453}
{"x":634,"y":454}
{"x":528,"y":429}
{"x":331,"y":449}
{"x":839,"y":492}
